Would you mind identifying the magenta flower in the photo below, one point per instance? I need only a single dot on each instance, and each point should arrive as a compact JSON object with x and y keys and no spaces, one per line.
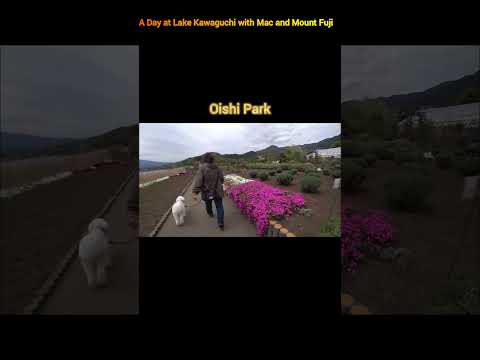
{"x":371,"y":232}
{"x":259,"y":202}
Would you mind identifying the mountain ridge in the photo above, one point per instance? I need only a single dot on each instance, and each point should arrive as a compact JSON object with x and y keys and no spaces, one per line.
{"x":271,"y":150}
{"x":446,"y":93}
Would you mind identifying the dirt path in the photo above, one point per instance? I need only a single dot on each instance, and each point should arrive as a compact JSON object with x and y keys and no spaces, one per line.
{"x":72,"y":296}
{"x":198,"y":223}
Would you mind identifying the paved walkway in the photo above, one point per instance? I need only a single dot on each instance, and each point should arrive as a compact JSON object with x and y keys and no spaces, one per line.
{"x":72,"y":295}
{"x":198,"y":223}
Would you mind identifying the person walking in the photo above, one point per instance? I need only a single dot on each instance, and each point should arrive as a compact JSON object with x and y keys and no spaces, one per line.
{"x":209,"y":182}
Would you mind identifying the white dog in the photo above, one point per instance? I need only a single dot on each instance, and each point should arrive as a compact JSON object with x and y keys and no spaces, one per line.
{"x":94,"y":253}
{"x":179,"y":211}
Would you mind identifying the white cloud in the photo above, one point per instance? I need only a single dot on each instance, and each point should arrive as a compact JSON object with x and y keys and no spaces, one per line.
{"x":373,"y":71}
{"x":175,"y":142}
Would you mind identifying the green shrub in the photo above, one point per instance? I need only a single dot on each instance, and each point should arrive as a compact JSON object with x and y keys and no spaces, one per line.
{"x":405,"y":156}
{"x":469,"y":167}
{"x":352,"y":149}
{"x":279,"y":171}
{"x":272,"y":172}
{"x":408,"y":192}
{"x":263,"y":175}
{"x":284,"y":179}
{"x":460,"y":153}
{"x":444,"y":161}
{"x":301,"y":168}
{"x":353,"y":175}
{"x":401,"y":145}
{"x":473,"y":149}
{"x":253,"y":174}
{"x":285,"y":167}
{"x":361,"y":162}
{"x":310,"y":184}
{"x":326,"y":172}
{"x":293,"y":172}
{"x":385,"y":154}
{"x":331,"y":229}
{"x":419,"y":168}
{"x":314,"y":173}
{"x":309,"y":167}
{"x":370,"y":159}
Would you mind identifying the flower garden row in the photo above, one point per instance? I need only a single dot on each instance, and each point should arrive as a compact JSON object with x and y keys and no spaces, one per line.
{"x":260,"y":202}
{"x":408,"y":190}
{"x":310,"y":182}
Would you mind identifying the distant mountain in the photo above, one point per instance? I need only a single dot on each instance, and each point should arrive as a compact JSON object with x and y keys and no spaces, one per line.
{"x":272,"y":151}
{"x":445,"y":94}
{"x":150,"y":165}
{"x":324,"y":144}
{"x":12,"y":143}
{"x":20,"y":146}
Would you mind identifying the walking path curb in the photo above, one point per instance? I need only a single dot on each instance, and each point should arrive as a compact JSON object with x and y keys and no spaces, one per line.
{"x":49,"y":285}
{"x":351,"y":307}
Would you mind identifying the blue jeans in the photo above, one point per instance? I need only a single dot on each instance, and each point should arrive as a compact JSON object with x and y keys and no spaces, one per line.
{"x":219,"y":206}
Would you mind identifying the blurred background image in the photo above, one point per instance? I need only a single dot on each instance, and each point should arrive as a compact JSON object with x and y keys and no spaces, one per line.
{"x":69,"y":147}
{"x":410,"y":189}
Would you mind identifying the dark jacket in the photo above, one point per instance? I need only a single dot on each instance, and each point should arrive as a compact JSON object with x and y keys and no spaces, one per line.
{"x":209,"y":178}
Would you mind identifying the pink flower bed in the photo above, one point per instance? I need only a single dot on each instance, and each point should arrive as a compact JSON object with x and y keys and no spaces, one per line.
{"x":370,"y":231}
{"x":260,"y":201}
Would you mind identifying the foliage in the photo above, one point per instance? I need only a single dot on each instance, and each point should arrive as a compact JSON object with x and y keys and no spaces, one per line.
{"x":408,"y":191}
{"x":405,"y":156}
{"x":353,"y":176}
{"x":370,"y":159}
{"x":310,"y":184}
{"x":253,"y":174}
{"x":469,"y":167}
{"x":295,"y":153}
{"x":284,"y":179}
{"x":444,"y":161}
{"x":331,"y":229}
{"x":263,"y":175}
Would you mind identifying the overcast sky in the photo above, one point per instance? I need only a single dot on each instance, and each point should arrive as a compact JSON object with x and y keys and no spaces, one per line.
{"x":68,"y":91}
{"x":373,"y":71}
{"x":176,"y":142}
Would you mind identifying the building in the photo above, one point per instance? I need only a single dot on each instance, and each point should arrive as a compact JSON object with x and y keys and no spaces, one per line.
{"x":322,"y":153}
{"x":465,"y":116}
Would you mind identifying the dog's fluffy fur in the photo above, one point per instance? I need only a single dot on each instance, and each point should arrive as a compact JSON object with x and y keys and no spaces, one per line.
{"x":179,"y":211}
{"x":94,"y":253}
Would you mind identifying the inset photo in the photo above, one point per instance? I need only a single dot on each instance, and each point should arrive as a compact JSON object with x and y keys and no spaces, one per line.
{"x":239,"y":180}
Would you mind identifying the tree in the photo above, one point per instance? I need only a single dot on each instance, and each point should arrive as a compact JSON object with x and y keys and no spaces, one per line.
{"x":470,"y":95}
{"x":295,"y":153}
{"x":371,"y":116}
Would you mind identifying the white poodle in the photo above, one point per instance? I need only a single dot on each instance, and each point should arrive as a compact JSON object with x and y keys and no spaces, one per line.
{"x":179,"y":211}
{"x":94,"y":253}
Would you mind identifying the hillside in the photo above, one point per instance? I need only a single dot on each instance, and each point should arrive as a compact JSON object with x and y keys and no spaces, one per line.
{"x":22,"y":146}
{"x":445,"y":94}
{"x":271,"y":151}
{"x":151,"y":165}
{"x":12,"y":143}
